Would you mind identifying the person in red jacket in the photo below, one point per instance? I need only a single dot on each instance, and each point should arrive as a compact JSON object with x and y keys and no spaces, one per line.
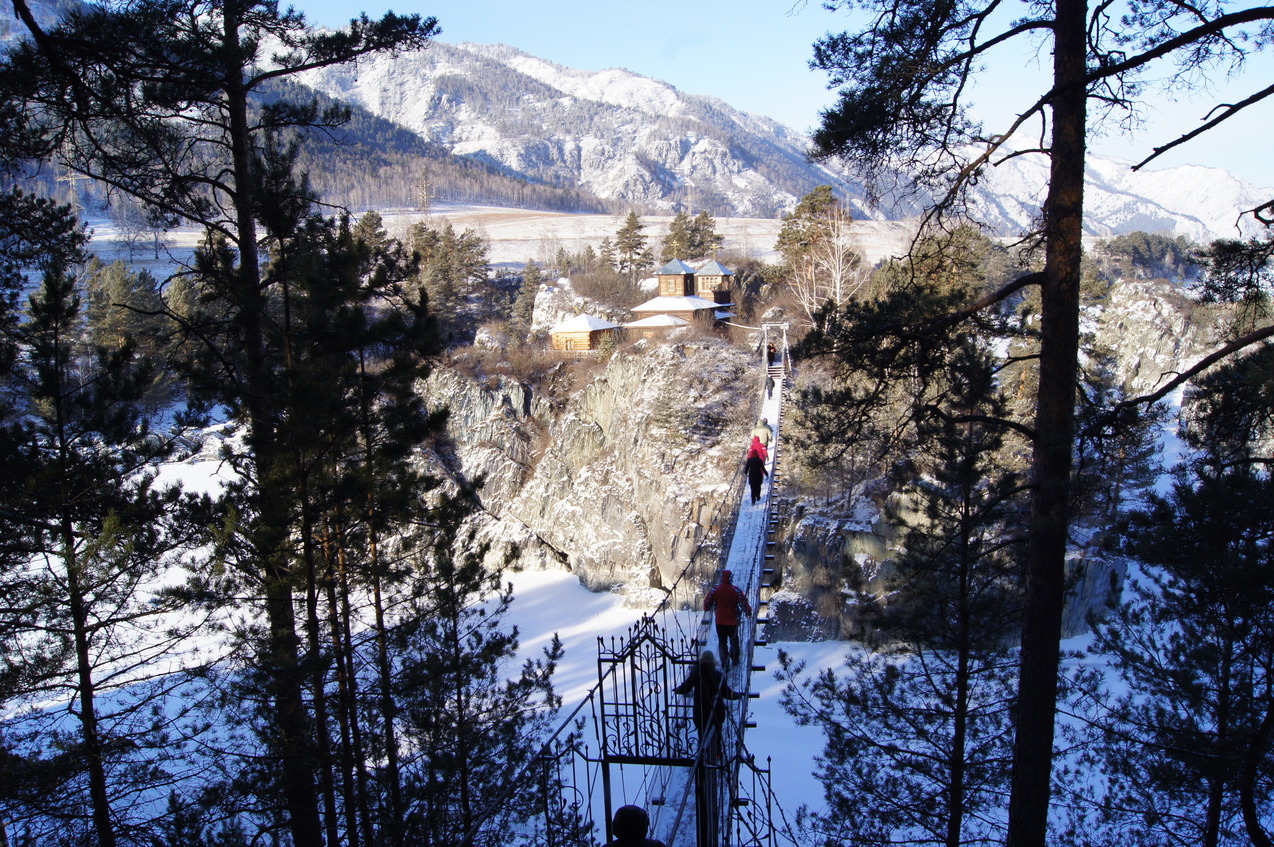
{"x":756,"y":448}
{"x":727,"y":599}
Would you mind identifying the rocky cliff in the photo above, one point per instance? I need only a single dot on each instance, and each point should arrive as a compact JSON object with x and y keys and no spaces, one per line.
{"x":625,"y":479}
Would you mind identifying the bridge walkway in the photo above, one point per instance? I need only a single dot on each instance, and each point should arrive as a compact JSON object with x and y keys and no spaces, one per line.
{"x":749,"y":558}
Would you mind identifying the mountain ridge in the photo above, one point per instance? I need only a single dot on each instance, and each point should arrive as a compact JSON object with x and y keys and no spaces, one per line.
{"x":632,"y":139}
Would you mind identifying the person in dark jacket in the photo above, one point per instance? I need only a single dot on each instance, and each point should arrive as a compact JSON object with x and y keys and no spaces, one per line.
{"x":727,"y":600}
{"x":710,"y":690}
{"x":629,"y":826}
{"x":754,"y":467}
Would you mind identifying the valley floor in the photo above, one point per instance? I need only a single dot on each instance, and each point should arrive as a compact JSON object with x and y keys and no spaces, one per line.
{"x":518,"y":235}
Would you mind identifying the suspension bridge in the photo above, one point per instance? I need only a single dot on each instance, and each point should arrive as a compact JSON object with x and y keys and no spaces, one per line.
{"x":633,"y":729}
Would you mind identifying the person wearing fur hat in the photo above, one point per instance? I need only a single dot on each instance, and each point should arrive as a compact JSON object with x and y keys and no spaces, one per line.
{"x":727,"y":600}
{"x":629,"y":826}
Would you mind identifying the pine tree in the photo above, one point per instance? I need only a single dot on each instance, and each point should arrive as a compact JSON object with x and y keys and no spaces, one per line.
{"x":919,"y":729}
{"x":196,"y":145}
{"x":606,"y":256}
{"x":125,"y":307}
{"x":703,"y":238}
{"x":452,"y":265}
{"x":806,"y":225}
{"x":676,"y":244}
{"x":349,"y":338}
{"x":819,"y":258}
{"x":631,"y":255}
{"x":1116,"y":460}
{"x":1187,"y":750}
{"x":97,"y":530}
{"x":471,"y":726}
{"x":904,"y":80}
{"x":524,"y":305}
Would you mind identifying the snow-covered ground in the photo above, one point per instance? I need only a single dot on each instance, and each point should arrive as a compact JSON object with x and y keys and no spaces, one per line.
{"x":540,"y":609}
{"x":548,"y":603}
{"x":515,"y":236}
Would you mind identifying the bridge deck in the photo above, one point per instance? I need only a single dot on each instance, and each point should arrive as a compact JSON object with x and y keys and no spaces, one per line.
{"x":674,"y":820}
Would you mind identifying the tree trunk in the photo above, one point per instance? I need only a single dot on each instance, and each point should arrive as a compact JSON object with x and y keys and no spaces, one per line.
{"x":317,"y":663}
{"x":88,"y":709}
{"x":1247,"y":781}
{"x":351,"y":758}
{"x":388,"y":709}
{"x":292,"y":720}
{"x":1054,"y":425}
{"x":957,"y":764}
{"x":89,"y":730}
{"x":1219,"y":763}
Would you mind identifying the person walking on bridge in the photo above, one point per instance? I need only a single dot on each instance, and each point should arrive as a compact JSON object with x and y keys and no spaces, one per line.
{"x":727,"y":600}
{"x":710,"y":690}
{"x":758,"y":449}
{"x":754,"y":468}
{"x":763,"y":431}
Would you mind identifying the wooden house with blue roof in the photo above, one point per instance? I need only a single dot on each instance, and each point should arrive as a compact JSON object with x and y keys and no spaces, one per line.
{"x":713,"y":281}
{"x":691,"y":296}
{"x":676,"y":279}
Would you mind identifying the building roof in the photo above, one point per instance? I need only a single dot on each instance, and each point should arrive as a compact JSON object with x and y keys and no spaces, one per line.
{"x":714,"y":268}
{"x":664,"y":303}
{"x":676,"y":266}
{"x":583,"y":323}
{"x":658,"y":321}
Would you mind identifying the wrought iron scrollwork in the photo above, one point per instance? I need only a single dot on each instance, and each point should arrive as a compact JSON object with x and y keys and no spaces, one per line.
{"x":641,"y":718}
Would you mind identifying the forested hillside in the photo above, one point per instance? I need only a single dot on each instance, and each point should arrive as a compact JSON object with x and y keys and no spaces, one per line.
{"x":371,"y":163}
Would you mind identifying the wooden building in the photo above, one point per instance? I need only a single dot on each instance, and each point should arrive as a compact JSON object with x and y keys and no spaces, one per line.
{"x":676,"y":279}
{"x":712,"y":282}
{"x":653,"y":327}
{"x":691,"y":309}
{"x":581,"y":333}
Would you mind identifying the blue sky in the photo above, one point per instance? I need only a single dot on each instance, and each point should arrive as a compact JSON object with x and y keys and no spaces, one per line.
{"x":754,"y":54}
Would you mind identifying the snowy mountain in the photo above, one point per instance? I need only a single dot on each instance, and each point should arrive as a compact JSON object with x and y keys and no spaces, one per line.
{"x":638,"y":141}
{"x":633,"y":139}
{"x":1197,"y":202}
{"x":614,"y":133}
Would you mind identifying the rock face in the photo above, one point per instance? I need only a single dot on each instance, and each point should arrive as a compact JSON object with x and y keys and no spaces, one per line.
{"x":1147,"y":326}
{"x":558,"y":302}
{"x":626,"y":480}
